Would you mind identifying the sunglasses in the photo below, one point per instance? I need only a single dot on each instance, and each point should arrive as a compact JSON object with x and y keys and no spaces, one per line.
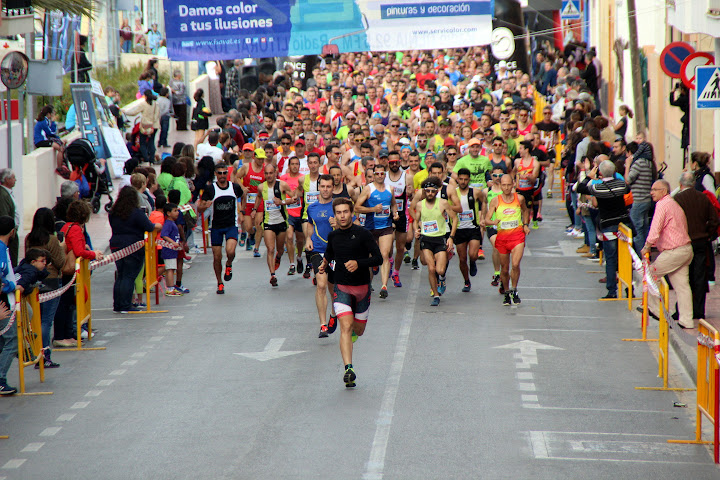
{"x":497,"y":175}
{"x":221,"y":173}
{"x":395,"y":126}
{"x":451,"y":154}
{"x":429,"y":190}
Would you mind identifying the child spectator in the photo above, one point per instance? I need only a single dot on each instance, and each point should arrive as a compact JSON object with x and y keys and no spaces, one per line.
{"x":31,"y":270}
{"x":170,"y":234}
{"x":157,"y":216}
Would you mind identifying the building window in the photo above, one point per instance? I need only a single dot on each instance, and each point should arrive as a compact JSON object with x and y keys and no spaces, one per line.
{"x":713,"y":8}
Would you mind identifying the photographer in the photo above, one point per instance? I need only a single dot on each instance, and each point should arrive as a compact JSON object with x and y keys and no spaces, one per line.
{"x":680,"y":97}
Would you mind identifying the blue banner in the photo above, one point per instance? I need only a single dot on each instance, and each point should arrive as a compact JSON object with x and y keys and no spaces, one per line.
{"x":87,"y":118}
{"x":229,"y":29}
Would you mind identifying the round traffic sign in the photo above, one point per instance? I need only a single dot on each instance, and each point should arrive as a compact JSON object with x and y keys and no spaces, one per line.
{"x":672,"y":57}
{"x":687,"y":69}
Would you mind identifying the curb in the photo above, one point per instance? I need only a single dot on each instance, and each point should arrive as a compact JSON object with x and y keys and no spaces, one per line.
{"x":686,"y":354}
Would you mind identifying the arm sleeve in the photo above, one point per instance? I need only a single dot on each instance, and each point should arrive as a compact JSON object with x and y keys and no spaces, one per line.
{"x":633,"y":174}
{"x":375,"y":259}
{"x":657,"y":222}
{"x":708,"y":183}
{"x":143,"y":220}
{"x":76,"y":240}
{"x":329,"y":252}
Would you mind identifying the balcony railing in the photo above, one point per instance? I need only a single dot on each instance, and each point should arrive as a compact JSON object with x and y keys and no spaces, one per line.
{"x":16,"y":8}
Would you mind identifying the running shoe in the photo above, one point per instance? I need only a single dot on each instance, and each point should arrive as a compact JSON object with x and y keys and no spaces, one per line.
{"x":415,"y":265}
{"x":139,"y":305}
{"x":466,"y":288}
{"x":435,"y":302}
{"x":332,"y":324}
{"x":375,"y":270}
{"x":539,"y":217}
{"x":278,"y":259}
{"x":228,"y":273}
{"x":501,"y":288}
{"x":6,"y":389}
{"x":549,"y":194}
{"x":515,"y":297}
{"x":323,"y":331}
{"x":173,"y":292}
{"x":243,"y":237}
{"x":406,"y":257}
{"x":396,"y":280}
{"x":299,"y":264}
{"x":354,"y":337}
{"x":442,"y":285}
{"x":314,"y":282}
{"x":495,"y":280}
{"x":481,"y":254}
{"x":256,"y":253}
{"x":535,"y":225}
{"x":273,"y":280}
{"x":291,"y":270}
{"x":182,"y":289}
{"x":578,"y":234}
{"x":48,"y":364}
{"x":306,"y":273}
{"x":349,"y":378}
{"x":220,"y":289}
{"x":383,"y":292}
{"x":508,"y":301}
{"x":248,"y":245}
{"x":473,"y":269}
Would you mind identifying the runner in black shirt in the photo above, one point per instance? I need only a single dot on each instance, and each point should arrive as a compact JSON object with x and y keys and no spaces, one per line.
{"x":353,"y":251}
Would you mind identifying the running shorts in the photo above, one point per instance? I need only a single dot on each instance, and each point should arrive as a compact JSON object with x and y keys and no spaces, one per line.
{"x":296,"y":223}
{"x":278,"y":228}
{"x":381,"y":232}
{"x":217,"y":235}
{"x":464,"y":235}
{"x":352,"y":300}
{"x":505,"y":243}
{"x":490,"y":231}
{"x":434,"y":244}
{"x":315,"y":259}
{"x":528,"y":196}
{"x":401,"y":224}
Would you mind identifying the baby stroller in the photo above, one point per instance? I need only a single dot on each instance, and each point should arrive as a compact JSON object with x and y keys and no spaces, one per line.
{"x":88,"y":173}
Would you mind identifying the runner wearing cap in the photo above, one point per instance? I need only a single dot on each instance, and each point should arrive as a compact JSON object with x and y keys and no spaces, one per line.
{"x":225,"y":197}
{"x":430,"y":228}
{"x":284,"y":152}
{"x":400,"y":184}
{"x":250,"y":176}
{"x":493,"y":190}
{"x":377,"y":203}
{"x":300,"y":154}
{"x":274,"y":195}
{"x":512,"y":217}
{"x":478,"y":165}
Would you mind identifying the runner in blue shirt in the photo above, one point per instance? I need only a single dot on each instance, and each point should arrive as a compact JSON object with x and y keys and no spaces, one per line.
{"x":321,"y":221}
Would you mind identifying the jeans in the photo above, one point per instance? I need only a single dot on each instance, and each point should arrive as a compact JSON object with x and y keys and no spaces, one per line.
{"x":47,"y":315}
{"x":8,"y":349}
{"x":577,"y":216}
{"x":127,"y":269}
{"x":610,"y":249}
{"x":147,"y":147}
{"x":639,"y":217}
{"x":591,"y":235}
{"x":65,"y":313}
{"x":126,"y":46}
{"x":164,"y":129}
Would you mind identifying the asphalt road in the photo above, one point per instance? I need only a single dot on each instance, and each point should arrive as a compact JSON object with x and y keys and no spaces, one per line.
{"x":467,"y":390}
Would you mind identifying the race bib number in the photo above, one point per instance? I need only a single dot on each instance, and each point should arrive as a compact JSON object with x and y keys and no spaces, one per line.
{"x":384,"y":214}
{"x":312,"y":197}
{"x":430,"y":226}
{"x":294,"y":205}
{"x":398,"y":190}
{"x":467,"y":216}
{"x":508,"y":224}
{"x":270,"y":206}
{"x":251,"y":197}
{"x":524,"y":184}
{"x":400,"y":204}
{"x":361,"y":219}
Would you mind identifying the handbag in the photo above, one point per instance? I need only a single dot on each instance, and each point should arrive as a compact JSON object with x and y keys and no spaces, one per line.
{"x":148,"y":128}
{"x":68,"y":267}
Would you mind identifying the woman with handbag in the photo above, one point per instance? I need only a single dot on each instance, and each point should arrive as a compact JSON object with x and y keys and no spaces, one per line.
{"x":149,"y":123}
{"x":42,"y":235}
{"x":73,"y":232}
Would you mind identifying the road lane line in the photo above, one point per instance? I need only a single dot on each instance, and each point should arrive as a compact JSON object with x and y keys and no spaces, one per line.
{"x":32,"y":447}
{"x":105,"y":383}
{"x":118,"y":372}
{"x":50,"y":431}
{"x":376,"y":463}
{"x":78,"y":405}
{"x":65,"y":417}
{"x":14,"y":463}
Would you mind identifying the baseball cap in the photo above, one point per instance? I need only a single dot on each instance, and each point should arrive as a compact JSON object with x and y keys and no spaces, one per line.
{"x":299,"y":141}
{"x":248,"y":146}
{"x":362,"y":109}
{"x":263,"y":134}
{"x":449,"y":141}
{"x":260,"y":153}
{"x":383,"y":153}
{"x":403,"y":129}
{"x":473,"y":141}
{"x":404,"y":141}
{"x":444,"y":89}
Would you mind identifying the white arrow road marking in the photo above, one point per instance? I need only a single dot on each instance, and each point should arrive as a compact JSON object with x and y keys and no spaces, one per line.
{"x":528,"y":350}
{"x":271,"y":352}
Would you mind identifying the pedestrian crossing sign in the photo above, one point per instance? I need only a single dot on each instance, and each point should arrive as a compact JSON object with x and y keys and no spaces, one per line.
{"x":707,"y":91}
{"x":570,"y":10}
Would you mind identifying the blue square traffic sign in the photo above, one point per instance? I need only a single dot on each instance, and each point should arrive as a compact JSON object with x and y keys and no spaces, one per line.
{"x":707,"y":87}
